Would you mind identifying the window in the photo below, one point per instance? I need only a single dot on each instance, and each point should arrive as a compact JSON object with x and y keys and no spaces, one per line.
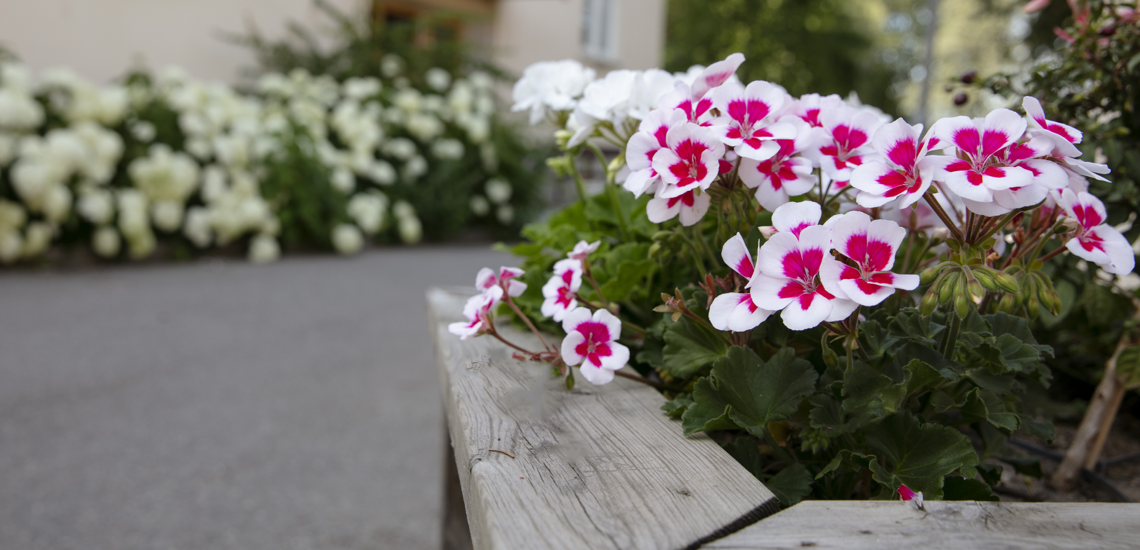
{"x":598,"y":29}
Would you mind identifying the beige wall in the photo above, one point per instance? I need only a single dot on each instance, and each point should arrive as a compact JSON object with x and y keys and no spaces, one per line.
{"x":527,"y":31}
{"x":103,"y":38}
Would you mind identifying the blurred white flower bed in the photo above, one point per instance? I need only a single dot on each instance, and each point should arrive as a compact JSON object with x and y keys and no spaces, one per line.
{"x":301,"y":160}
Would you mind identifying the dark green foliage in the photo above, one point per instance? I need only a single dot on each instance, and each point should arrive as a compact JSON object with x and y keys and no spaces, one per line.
{"x":804,"y":45}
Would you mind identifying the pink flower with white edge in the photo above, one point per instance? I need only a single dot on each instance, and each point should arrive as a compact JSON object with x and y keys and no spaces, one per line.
{"x":716,"y":74}
{"x":872,"y":246}
{"x":697,"y":111}
{"x":560,"y":293}
{"x":1046,"y":173}
{"x":477,"y":310}
{"x":591,"y":340}
{"x":1064,"y":137}
{"x":908,"y":495}
{"x":905,"y":173}
{"x":846,"y":143}
{"x":808,"y":107}
{"x":1095,"y":241}
{"x":979,"y":171}
{"x":644,"y":144}
{"x":735,"y":311}
{"x":507,"y":279}
{"x":787,"y":174}
{"x":691,"y":206}
{"x":788,"y":278}
{"x":747,"y":122}
{"x":690,"y":161}
{"x":582,"y":250}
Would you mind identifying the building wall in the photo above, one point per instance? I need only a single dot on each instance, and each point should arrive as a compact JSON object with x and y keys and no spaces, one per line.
{"x":101,"y":39}
{"x":527,"y":31}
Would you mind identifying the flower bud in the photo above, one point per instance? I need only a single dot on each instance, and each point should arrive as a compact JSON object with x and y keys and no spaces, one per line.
{"x":929,"y":274}
{"x":949,"y":288}
{"x":985,"y":277}
{"x":962,"y":305}
{"x":654,"y":249}
{"x":961,"y":99}
{"x":1033,"y":307}
{"x":929,"y":303}
{"x":767,"y":231}
{"x":968,"y":77}
{"x":1006,"y":282}
{"x":975,"y":288}
{"x":940,"y":233}
{"x":1007,"y":303}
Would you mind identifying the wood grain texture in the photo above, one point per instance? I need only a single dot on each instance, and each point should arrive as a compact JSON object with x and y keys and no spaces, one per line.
{"x":598,"y":467}
{"x":944,"y":525}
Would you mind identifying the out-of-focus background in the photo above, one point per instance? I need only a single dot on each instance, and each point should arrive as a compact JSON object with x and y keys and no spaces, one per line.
{"x":160,"y":388}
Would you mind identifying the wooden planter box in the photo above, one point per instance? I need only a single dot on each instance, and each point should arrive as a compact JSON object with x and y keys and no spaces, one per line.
{"x":532,"y":466}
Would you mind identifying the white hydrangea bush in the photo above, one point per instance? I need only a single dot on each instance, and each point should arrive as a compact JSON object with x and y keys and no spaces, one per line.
{"x":122,"y":169}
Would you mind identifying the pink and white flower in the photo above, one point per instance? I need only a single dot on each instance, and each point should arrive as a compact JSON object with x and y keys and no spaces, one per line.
{"x":735,"y":311}
{"x":872,"y":246}
{"x":979,"y":169}
{"x":582,"y":250}
{"x":644,"y":144}
{"x":907,"y":171}
{"x":690,"y":161}
{"x":1046,"y":175}
{"x":908,"y":495}
{"x":748,"y":119}
{"x":847,"y":142}
{"x":697,"y":111}
{"x":1096,"y":241}
{"x":808,"y":107}
{"x":477,"y":310}
{"x":506,"y":280}
{"x":560,"y":293}
{"x":793,"y":218}
{"x":591,"y":340}
{"x":716,"y":74}
{"x":787,"y":174}
{"x":1064,"y":137}
{"x":789,"y":278}
{"x":691,"y":206}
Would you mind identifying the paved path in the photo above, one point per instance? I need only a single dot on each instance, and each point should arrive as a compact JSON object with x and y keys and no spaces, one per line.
{"x":224,"y":405}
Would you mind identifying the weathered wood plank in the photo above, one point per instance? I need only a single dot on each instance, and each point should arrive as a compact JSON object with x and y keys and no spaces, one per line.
{"x":599,"y":467}
{"x":944,"y":525}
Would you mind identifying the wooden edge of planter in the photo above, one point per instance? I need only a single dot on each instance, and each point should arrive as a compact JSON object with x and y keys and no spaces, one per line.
{"x":943,"y":525}
{"x":597,"y":467}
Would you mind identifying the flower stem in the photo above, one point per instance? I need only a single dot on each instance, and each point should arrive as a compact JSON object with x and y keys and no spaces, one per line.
{"x":577,"y":176}
{"x":611,"y":190}
{"x":641,"y":379}
{"x":937,"y":208}
{"x":951,"y":338}
{"x":997,"y":227}
{"x":526,"y":320}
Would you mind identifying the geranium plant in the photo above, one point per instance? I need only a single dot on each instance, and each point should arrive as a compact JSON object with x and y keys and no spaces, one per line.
{"x":844,"y":296}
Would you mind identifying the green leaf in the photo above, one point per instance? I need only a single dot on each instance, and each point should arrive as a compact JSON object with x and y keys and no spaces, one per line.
{"x":983,"y":405}
{"x":854,"y":461}
{"x":827,"y":414}
{"x":863,"y":388}
{"x":760,"y":392}
{"x":689,"y":347}
{"x":960,"y":488}
{"x":1042,"y":429}
{"x":921,"y":374}
{"x":708,"y":411}
{"x":991,"y":473}
{"x":746,"y":451}
{"x":1026,"y":466}
{"x":791,"y":485}
{"x":675,"y":407}
{"x":918,"y":455}
{"x":1128,"y":366}
{"x":875,"y":339}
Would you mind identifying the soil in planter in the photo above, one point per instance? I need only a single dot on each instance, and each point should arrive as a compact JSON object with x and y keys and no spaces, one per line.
{"x":1125,"y":475}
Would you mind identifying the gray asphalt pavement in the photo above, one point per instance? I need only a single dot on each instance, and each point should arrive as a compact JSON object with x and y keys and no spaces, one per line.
{"x":224,"y":405}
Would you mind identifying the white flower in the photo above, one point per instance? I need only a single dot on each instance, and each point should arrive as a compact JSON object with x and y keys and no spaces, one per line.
{"x":381,"y":172}
{"x":505,"y":214}
{"x":498,"y":190}
{"x":361,"y":88}
{"x":550,"y":86}
{"x":437,"y":78}
{"x":605,"y":100}
{"x":391,"y":65}
{"x":346,"y":239}
{"x":416,"y":167}
{"x":409,"y":100}
{"x":403,"y":210}
{"x":264,"y":249}
{"x":591,"y":341}
{"x":96,"y":206}
{"x":410,"y":229}
{"x":368,"y":210}
{"x":140,"y":245}
{"x":106,"y":242}
{"x":197,"y":227}
{"x":12,"y":216}
{"x":342,"y":180}
{"x":424,"y":126}
{"x":448,"y":149}
{"x":480,"y":206}
{"x":133,"y":218}
{"x":166,"y":214}
{"x":11,"y":246}
{"x":37,"y":239}
{"x":7,"y":148}
{"x":57,"y":204}
{"x":401,"y":148}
